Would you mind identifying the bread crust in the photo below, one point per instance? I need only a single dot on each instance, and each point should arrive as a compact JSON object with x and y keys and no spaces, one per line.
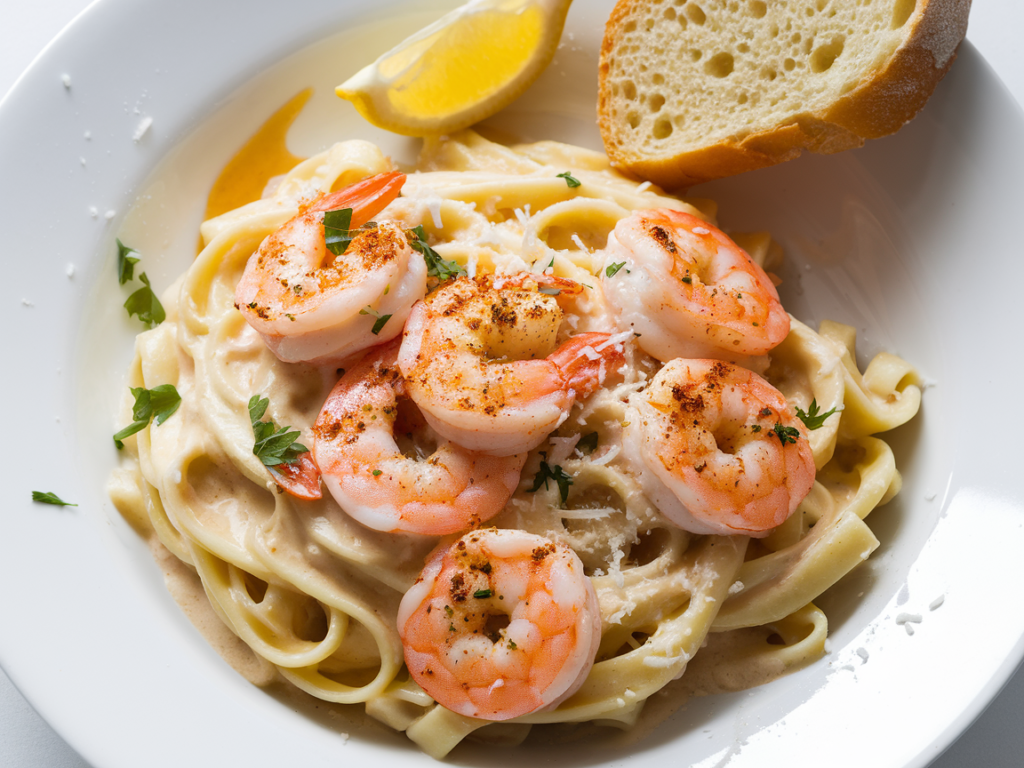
{"x":884,"y":101}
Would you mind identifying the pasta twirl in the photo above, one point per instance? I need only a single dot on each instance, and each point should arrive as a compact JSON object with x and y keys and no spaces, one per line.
{"x":314,"y":594}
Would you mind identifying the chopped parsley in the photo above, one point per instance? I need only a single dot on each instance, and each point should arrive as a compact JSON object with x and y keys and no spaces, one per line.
{"x":612,"y":269}
{"x":812,"y":418}
{"x":146,"y":305}
{"x":378,"y":472}
{"x":556,"y":473}
{"x":786,"y":434}
{"x":438,"y":267}
{"x":483,"y":594}
{"x":382,"y":320}
{"x":587,"y":444}
{"x":570,"y":181}
{"x":126,"y":262}
{"x":512,"y":644}
{"x":50,"y":498}
{"x":272,"y":446}
{"x":338,"y":230}
{"x":159,"y":402}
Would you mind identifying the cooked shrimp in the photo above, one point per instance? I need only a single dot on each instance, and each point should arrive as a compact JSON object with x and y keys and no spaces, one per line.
{"x":480,"y":361}
{"x":309,"y":304}
{"x":718,"y":448}
{"x":502,"y":624}
{"x":690,"y":291}
{"x":365,"y":470}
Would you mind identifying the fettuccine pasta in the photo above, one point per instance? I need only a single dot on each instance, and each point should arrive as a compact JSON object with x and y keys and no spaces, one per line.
{"x":315,"y":595}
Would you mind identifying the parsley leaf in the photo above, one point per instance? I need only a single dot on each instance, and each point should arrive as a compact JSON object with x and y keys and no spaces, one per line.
{"x":483,"y":594}
{"x":812,"y":418}
{"x":159,"y":402}
{"x":273,"y":446}
{"x":786,"y":434}
{"x":570,"y":181}
{"x":611,"y":269}
{"x":381,"y":319}
{"x":146,"y":305}
{"x":126,"y":262}
{"x":556,"y":473}
{"x":438,"y":267}
{"x":50,"y":498}
{"x":587,"y":444}
{"x":338,"y":230}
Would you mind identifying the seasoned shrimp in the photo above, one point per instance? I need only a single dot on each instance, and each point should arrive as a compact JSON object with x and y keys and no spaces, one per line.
{"x":311,"y":305}
{"x":480,"y":361}
{"x":718,"y":448}
{"x":364,"y":469}
{"x":502,"y":624}
{"x":690,"y":291}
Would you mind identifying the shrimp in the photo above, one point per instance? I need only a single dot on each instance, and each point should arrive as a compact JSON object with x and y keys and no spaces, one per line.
{"x":374,"y":482}
{"x":480,"y":361}
{"x":311,"y":305}
{"x":689,"y":291}
{"x":501,"y":624}
{"x":718,"y":448}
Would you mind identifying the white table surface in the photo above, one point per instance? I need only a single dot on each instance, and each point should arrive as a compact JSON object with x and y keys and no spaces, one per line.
{"x":996,"y":740}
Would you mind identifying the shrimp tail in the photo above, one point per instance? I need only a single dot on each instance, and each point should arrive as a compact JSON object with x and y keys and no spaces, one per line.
{"x":585,"y":360}
{"x":300,"y":479}
{"x":366,"y":198}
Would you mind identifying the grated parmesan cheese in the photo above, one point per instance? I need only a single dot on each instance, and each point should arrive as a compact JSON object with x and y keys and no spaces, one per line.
{"x":142,"y":129}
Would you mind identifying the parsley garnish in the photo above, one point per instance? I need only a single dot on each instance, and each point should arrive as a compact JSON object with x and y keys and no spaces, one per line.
{"x":556,"y":473}
{"x":512,"y":645}
{"x":570,"y":180}
{"x":613,"y":268}
{"x":125,"y":262}
{"x":812,"y":418}
{"x":378,"y":472}
{"x":381,"y":319}
{"x":483,"y":594}
{"x":273,"y":446}
{"x":587,"y":444}
{"x":50,"y":498}
{"x":159,"y":402}
{"x":146,"y":305}
{"x":338,"y":230}
{"x":437,"y":267}
{"x":786,"y":434}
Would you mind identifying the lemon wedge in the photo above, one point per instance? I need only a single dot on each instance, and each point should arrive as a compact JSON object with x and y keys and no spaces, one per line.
{"x":461,"y":69}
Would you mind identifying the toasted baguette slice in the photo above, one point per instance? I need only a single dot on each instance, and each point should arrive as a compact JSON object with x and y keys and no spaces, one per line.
{"x":694,"y":90}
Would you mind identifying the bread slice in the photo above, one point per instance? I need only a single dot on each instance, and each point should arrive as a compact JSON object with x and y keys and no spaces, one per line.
{"x":694,"y":90}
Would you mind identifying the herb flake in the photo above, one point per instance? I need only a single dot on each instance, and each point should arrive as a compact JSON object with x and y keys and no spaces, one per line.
{"x":556,"y":473}
{"x":272,"y":445}
{"x":159,"y":403}
{"x":570,"y":181}
{"x":126,"y":262}
{"x":381,"y":319}
{"x":146,"y":305}
{"x":483,"y":594}
{"x":786,"y":434}
{"x":438,"y":267}
{"x":812,"y":417}
{"x":50,"y":498}
{"x":612,"y":269}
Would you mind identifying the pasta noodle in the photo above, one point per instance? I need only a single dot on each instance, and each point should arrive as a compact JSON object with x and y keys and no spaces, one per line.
{"x":315,"y":594}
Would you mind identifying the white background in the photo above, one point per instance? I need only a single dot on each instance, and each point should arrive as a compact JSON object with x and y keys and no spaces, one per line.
{"x":996,"y":740}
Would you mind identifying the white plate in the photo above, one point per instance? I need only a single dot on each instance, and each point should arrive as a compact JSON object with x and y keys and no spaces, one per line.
{"x":912,"y":239}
